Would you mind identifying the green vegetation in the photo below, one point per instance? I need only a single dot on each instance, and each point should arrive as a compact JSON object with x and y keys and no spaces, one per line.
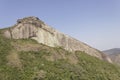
{"x":27,"y":60}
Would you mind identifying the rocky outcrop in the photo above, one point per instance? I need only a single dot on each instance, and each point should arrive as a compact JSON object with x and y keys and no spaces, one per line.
{"x":32,"y":27}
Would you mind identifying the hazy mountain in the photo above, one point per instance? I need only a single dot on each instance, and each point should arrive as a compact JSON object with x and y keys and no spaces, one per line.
{"x":114,"y":54}
{"x":112,"y":51}
{"x":31,"y":50}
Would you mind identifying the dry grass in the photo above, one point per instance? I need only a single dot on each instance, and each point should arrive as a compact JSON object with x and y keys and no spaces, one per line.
{"x":39,"y":75}
{"x":72,"y":59}
{"x":26,"y":47}
{"x":14,"y":60}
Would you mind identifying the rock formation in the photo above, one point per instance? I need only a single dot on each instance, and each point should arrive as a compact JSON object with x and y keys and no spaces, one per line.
{"x":32,"y":27}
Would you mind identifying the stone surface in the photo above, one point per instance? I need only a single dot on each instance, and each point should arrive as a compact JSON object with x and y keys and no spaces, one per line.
{"x":32,"y":27}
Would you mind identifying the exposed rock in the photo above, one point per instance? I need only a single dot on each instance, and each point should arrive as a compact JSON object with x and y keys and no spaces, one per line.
{"x":32,"y":27}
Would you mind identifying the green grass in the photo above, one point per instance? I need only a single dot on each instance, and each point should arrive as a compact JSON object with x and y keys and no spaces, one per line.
{"x":36,"y":67}
{"x":5,"y":47}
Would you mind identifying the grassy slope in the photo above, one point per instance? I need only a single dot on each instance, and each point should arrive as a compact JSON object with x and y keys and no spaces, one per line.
{"x":26,"y":60}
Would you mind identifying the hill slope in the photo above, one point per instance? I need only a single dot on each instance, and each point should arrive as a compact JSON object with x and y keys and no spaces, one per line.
{"x":25,"y":59}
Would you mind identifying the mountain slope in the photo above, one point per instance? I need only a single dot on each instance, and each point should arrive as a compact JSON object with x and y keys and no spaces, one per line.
{"x":33,"y":28}
{"x":114,"y":54}
{"x":25,"y":59}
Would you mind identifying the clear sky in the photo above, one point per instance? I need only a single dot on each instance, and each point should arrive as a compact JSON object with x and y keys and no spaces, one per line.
{"x":95,"y":22}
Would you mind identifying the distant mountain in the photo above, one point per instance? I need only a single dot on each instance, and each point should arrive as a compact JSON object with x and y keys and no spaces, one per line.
{"x":112,"y":51}
{"x":114,"y":54}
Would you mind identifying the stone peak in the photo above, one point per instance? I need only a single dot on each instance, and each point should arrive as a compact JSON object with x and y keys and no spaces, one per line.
{"x":30,"y":19}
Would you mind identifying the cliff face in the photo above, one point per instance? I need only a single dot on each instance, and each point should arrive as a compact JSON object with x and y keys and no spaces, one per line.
{"x":32,"y":27}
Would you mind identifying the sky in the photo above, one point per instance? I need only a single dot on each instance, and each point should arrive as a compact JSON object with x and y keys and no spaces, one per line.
{"x":94,"y":22}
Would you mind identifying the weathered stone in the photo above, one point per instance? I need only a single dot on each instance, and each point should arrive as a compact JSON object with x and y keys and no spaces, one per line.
{"x":32,"y":27}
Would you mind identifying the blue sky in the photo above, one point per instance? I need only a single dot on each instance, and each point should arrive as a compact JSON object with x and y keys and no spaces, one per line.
{"x":95,"y":22}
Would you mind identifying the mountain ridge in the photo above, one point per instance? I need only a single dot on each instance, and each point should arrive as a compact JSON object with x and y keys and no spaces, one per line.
{"x":112,"y":51}
{"x":34,"y":28}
